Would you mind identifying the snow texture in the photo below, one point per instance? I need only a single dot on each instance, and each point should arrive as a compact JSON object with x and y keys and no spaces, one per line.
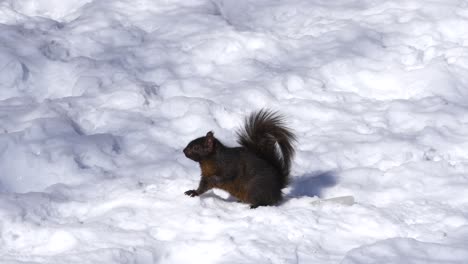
{"x":98,"y":98}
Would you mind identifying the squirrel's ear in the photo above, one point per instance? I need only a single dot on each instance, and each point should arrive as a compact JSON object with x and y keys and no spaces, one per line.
{"x":209,"y":140}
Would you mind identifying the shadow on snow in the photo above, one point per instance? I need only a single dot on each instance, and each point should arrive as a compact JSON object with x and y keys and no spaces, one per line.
{"x":312,"y":184}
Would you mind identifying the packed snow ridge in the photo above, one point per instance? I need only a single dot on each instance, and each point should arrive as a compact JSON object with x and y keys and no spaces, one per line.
{"x":99,"y":97}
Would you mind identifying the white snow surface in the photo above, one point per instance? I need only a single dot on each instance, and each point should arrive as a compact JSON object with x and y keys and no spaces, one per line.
{"x":99,"y":97}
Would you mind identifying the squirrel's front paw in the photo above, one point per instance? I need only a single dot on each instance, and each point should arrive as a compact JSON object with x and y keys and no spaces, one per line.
{"x":191,"y":193}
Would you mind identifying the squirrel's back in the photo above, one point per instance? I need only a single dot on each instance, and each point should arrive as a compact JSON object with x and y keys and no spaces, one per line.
{"x":266,"y":135}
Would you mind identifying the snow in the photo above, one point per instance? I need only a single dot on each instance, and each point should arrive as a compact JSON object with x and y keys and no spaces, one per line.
{"x":98,"y":99}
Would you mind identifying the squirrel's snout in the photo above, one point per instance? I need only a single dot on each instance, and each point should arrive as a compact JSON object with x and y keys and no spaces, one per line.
{"x":189,"y":153}
{"x":186,"y":151}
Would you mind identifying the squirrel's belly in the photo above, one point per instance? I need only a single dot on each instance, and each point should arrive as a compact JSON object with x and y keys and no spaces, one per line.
{"x":235,"y":190}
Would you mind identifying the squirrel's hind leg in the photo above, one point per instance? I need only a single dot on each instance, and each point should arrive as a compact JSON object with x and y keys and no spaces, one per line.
{"x":254,"y":206}
{"x":263,"y":194}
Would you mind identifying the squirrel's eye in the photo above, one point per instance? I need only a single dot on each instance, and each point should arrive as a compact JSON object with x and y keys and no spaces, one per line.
{"x":197,"y":148}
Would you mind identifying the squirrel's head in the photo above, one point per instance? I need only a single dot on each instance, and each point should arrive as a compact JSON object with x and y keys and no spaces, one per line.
{"x":201,"y":147}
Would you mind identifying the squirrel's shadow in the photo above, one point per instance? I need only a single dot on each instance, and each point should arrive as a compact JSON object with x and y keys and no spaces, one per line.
{"x":312,"y":184}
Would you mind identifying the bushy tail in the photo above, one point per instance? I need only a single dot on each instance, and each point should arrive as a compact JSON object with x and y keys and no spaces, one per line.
{"x":267,"y":136}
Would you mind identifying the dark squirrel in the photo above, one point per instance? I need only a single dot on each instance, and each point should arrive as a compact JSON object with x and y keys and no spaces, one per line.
{"x":256,"y":171}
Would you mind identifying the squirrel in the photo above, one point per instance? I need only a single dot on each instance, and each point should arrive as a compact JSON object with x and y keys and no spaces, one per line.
{"x":254,"y":173}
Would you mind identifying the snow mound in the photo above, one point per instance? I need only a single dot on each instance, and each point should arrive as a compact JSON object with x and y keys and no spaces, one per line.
{"x":42,"y":8}
{"x":406,"y":250}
